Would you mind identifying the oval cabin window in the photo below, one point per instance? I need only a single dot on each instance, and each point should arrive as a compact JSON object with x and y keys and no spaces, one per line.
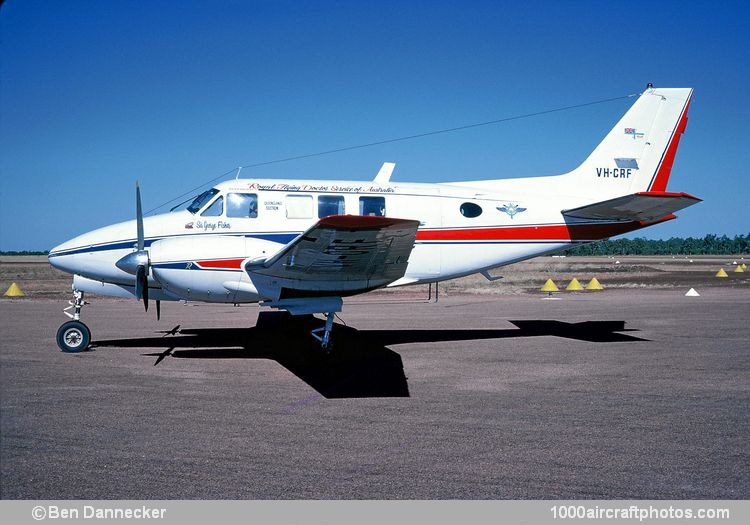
{"x":471,"y":210}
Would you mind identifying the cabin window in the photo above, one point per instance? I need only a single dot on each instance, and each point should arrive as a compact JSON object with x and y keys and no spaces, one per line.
{"x":470,"y":210}
{"x":216,"y":209}
{"x":372,"y":206}
{"x":244,"y":205}
{"x":330,"y":205}
{"x":299,"y":207}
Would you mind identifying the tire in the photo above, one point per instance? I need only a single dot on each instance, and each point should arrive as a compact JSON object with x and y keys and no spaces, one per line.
{"x":73,"y":336}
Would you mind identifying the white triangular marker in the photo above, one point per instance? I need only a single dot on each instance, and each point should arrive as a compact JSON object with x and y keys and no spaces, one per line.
{"x":692,"y":293}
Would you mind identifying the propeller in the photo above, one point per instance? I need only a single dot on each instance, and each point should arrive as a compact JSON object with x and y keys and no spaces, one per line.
{"x":141,"y":285}
{"x":137,"y":263}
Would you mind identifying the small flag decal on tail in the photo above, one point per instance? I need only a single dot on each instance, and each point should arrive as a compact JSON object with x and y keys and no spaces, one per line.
{"x":634,"y":132}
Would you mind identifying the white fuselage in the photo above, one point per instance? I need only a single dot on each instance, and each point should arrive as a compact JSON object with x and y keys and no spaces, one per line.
{"x":198,"y":255}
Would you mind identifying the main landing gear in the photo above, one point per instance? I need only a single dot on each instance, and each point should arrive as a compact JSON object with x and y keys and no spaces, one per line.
{"x":74,"y":336}
{"x":325,"y":339}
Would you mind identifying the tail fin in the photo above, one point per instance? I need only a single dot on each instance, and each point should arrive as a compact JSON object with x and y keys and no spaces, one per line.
{"x":637,"y":155}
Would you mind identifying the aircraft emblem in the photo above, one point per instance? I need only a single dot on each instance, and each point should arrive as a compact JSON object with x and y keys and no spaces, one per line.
{"x":189,"y":226}
{"x":511,"y":209}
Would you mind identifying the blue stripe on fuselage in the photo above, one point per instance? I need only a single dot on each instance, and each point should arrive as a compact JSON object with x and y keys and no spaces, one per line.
{"x":281,"y":238}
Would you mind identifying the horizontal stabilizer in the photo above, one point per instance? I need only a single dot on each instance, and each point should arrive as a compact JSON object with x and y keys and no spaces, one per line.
{"x":643,"y":206}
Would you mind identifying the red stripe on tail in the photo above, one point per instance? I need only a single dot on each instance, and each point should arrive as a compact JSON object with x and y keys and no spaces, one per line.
{"x":665,"y":168}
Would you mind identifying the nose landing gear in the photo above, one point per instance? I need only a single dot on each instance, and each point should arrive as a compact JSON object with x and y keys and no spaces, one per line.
{"x":74,"y":336}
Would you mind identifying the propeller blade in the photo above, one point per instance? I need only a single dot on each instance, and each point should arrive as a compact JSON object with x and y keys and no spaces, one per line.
{"x":158,"y":309}
{"x":144,"y":287}
{"x":145,"y":295}
{"x":141,"y":255}
{"x":139,"y":217}
{"x":141,"y":284}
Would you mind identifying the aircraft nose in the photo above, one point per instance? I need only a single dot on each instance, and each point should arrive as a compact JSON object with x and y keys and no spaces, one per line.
{"x":60,"y":257}
{"x":57,"y":249}
{"x":69,"y":255}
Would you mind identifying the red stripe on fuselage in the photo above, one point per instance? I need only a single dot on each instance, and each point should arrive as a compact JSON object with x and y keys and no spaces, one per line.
{"x":554,"y":232}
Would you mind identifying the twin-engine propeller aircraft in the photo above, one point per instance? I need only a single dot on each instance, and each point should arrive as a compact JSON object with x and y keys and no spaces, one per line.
{"x":302,"y":245}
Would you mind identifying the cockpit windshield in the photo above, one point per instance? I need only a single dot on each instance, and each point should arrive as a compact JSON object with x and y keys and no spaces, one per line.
{"x":201,"y":200}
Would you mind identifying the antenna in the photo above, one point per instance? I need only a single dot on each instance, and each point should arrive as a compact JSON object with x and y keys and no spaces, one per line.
{"x":239,"y":169}
{"x":398,"y":139}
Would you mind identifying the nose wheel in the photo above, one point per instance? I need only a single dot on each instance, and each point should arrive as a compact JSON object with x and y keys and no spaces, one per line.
{"x":74,"y":336}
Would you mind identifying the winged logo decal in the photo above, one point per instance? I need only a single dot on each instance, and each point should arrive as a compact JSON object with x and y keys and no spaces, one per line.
{"x":511,"y":209}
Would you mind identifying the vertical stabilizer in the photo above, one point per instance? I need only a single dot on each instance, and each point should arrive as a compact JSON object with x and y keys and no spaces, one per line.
{"x":637,"y":155}
{"x":384,"y":175}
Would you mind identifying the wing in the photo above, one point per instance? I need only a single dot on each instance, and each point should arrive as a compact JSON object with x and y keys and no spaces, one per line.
{"x":340,"y":255}
{"x":643,"y":206}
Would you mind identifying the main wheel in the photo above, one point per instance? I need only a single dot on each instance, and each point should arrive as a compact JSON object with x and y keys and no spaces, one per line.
{"x":73,"y":336}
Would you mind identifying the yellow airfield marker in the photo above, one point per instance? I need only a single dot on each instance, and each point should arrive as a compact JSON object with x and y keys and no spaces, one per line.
{"x":550,"y":287}
{"x":574,"y":286}
{"x":14,"y":291}
{"x":721,"y":273}
{"x":738,"y":269}
{"x":594,"y":284}
{"x":744,"y":266}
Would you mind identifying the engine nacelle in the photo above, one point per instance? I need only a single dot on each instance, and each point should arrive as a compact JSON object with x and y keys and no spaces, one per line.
{"x":208,"y":267}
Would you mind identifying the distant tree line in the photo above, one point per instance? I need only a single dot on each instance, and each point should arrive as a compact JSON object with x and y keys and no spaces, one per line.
{"x":24,"y":252}
{"x":709,"y":245}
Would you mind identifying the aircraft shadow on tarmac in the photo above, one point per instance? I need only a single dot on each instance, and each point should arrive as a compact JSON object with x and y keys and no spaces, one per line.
{"x":361,"y":364}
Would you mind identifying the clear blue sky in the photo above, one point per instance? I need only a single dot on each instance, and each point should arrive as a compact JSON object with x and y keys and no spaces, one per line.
{"x":97,"y":94}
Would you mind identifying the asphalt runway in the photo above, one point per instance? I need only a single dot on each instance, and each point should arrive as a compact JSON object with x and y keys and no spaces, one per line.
{"x":618,"y":394}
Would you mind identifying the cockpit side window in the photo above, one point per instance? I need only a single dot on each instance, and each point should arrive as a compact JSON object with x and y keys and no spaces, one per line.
{"x":201,"y":200}
{"x":216,"y":209}
{"x":242,"y":205}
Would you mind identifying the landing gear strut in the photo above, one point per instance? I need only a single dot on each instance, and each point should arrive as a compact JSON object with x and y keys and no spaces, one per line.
{"x":74,"y":336}
{"x":325,"y":339}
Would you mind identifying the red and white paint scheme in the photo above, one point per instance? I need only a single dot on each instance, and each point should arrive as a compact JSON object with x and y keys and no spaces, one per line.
{"x":302,"y":245}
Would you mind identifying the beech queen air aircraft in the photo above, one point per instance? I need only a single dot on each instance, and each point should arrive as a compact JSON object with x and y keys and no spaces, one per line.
{"x":302,"y":246}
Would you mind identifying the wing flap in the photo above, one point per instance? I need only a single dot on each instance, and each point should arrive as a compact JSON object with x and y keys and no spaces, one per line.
{"x":340,"y":255}
{"x":643,"y":206}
